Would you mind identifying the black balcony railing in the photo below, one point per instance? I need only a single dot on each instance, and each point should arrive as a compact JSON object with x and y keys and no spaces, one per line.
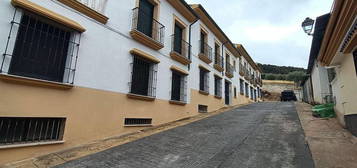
{"x":147,"y":25}
{"x":205,"y":49}
{"x":229,"y":68}
{"x":180,"y":46}
{"x":218,"y":59}
{"x":241,"y":69}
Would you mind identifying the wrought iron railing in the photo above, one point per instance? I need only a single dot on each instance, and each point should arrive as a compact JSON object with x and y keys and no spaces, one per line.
{"x":241,"y":69}
{"x":35,"y":49}
{"x":246,"y":73}
{"x":97,"y":5}
{"x":204,"y":80}
{"x":16,"y":130}
{"x":229,"y":68}
{"x":181,"y":47}
{"x":206,"y":50}
{"x":218,"y":59}
{"x":148,"y":26}
{"x":143,"y":77}
{"x":217,"y":86}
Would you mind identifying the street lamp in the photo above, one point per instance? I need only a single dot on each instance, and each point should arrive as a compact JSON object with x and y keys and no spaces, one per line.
{"x":307,"y":25}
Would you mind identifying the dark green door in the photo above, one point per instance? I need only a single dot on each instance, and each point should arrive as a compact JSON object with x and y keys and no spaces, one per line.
{"x":178,"y":39}
{"x":146,"y":15}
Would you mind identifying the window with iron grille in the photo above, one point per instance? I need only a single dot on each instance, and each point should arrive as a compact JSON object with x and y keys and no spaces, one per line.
{"x":137,"y":121}
{"x":179,"y":87}
{"x":40,"y":48}
{"x":251,"y":93}
{"x":246,"y":90}
{"x":144,"y":77}
{"x":202,"y":108}
{"x":16,"y":130}
{"x":355,"y":59}
{"x":241,"y":86}
{"x":204,"y":80}
{"x":217,"y":86}
{"x":235,"y":92}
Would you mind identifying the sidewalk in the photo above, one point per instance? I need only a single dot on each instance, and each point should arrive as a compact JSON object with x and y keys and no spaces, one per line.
{"x":330,"y":144}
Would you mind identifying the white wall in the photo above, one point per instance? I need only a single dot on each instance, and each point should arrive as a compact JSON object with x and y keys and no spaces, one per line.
{"x":104,"y":58}
{"x":320,"y":83}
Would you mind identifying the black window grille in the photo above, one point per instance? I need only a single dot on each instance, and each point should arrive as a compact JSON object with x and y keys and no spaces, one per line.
{"x":355,"y":59}
{"x":179,"y":87}
{"x":217,"y":86}
{"x":40,"y":48}
{"x":251,"y":93}
{"x":202,"y":108}
{"x":137,"y":121}
{"x":235,"y":92}
{"x":204,"y":80}
{"x":246,"y":90}
{"x":15,"y":130}
{"x":144,"y":77}
{"x":218,"y":59}
{"x":241,"y":85}
{"x":144,"y":22}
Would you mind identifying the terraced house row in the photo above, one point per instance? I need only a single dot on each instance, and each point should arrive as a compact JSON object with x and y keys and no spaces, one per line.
{"x":75,"y":71}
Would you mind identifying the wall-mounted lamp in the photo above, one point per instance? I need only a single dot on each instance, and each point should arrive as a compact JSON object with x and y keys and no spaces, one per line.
{"x":307,"y":25}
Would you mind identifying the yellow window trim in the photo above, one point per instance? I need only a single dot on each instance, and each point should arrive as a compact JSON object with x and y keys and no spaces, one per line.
{"x":25,"y":4}
{"x":86,"y":10}
{"x":201,"y":66}
{"x":34,"y":82}
{"x":144,"y":55}
{"x":175,"y":68}
{"x":218,"y":76}
{"x":203,"y":28}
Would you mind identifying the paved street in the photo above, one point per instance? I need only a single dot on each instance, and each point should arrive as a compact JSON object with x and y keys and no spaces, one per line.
{"x":258,"y":135}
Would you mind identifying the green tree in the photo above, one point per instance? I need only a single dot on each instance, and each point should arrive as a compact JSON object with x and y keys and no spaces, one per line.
{"x":296,"y":76}
{"x":270,"y":77}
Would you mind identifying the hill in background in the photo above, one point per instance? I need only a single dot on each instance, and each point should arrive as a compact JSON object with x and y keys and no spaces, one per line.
{"x":274,"y":72}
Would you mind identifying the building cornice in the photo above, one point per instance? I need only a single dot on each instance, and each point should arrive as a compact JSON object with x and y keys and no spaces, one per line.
{"x":344,"y":13}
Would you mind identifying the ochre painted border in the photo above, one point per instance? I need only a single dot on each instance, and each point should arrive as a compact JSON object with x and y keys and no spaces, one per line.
{"x":144,"y":55}
{"x":25,"y":4}
{"x":175,"y":68}
{"x":86,"y":10}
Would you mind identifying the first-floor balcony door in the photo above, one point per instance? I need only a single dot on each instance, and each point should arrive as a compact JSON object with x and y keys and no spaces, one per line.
{"x":146,"y":15}
{"x":178,"y":39}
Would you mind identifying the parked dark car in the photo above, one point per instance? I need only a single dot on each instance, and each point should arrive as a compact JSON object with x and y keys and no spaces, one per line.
{"x":288,"y":95}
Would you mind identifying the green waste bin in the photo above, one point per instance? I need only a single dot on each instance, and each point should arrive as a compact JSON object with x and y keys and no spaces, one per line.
{"x":324,"y":111}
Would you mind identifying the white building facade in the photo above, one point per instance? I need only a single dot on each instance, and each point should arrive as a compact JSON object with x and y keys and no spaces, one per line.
{"x":77,"y":71}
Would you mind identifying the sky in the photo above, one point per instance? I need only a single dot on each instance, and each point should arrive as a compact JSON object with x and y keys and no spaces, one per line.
{"x":270,"y":30}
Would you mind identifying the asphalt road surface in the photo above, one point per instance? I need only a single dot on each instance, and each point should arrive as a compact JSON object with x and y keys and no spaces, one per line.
{"x":261,"y":135}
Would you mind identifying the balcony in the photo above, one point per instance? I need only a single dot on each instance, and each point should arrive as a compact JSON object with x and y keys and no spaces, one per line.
{"x":92,"y":8}
{"x":147,"y":30}
{"x":259,"y":82}
{"x":180,"y":50}
{"x":205,"y":52}
{"x":246,"y":75}
{"x":229,"y":70}
{"x":241,"y":70}
{"x":218,"y":62}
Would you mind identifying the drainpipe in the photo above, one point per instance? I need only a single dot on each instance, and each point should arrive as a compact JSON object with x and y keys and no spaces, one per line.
{"x":223,"y":55}
{"x":189,"y":41}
